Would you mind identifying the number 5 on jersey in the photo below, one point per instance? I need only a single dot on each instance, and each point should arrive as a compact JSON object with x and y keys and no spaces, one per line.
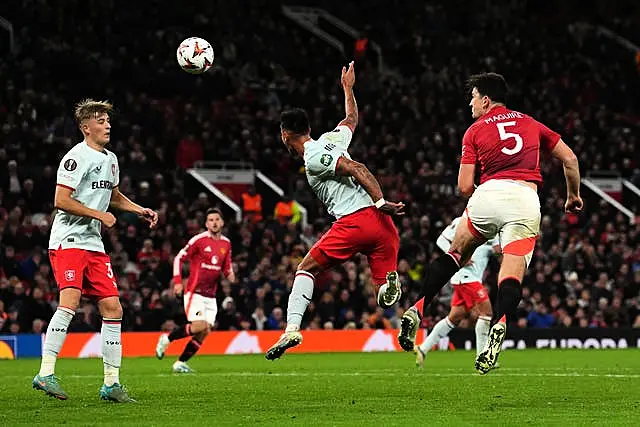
{"x":504,"y":135}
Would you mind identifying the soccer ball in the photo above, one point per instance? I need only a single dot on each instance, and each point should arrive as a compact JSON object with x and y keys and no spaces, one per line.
{"x":195,"y":55}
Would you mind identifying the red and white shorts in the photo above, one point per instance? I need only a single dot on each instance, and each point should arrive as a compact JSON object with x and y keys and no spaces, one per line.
{"x":509,"y":209}
{"x":88,"y":271}
{"x":468,"y":294}
{"x":367,"y":231}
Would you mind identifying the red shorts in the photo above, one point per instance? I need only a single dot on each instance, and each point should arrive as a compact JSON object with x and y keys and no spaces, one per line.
{"x":468,"y":294}
{"x":367,"y":231}
{"x":88,"y":271}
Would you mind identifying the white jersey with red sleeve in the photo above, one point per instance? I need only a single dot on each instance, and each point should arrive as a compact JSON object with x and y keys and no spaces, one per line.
{"x":208,"y":257}
{"x":342,"y":195}
{"x":507,"y":145}
{"x":91,"y":175}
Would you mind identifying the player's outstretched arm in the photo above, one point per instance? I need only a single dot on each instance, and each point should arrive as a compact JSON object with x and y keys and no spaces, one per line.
{"x":348,"y":79}
{"x":64,"y":201}
{"x":359,"y":172}
{"x":562,"y":152}
{"x":123,"y":203}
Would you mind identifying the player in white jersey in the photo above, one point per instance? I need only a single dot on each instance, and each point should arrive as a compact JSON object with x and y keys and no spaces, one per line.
{"x":469,"y":295}
{"x":87,"y":185}
{"x":351,"y":194}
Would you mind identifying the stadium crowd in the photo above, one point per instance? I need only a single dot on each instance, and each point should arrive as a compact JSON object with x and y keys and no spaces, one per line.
{"x":585,"y":272}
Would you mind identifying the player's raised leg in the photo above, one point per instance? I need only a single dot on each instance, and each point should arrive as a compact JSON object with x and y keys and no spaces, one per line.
{"x":179,"y":332}
{"x":465,"y":242}
{"x":46,"y":380}
{"x":383,"y":259}
{"x":301,"y":294}
{"x":439,"y":331}
{"x":201,"y":312}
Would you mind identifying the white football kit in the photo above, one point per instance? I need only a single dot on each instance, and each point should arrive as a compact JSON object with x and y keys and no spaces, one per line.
{"x":91,"y":175}
{"x":342,"y":195}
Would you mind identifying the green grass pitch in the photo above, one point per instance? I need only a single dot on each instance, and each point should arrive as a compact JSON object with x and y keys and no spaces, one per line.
{"x":533,"y":387}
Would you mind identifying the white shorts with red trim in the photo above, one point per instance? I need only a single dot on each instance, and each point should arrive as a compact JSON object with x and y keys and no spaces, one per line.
{"x":509,"y":209}
{"x":197,"y":307}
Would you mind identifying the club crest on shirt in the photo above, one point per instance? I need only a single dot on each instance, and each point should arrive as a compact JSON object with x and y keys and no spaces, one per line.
{"x":70,"y":275}
{"x":326,"y":159}
{"x":223,"y":251}
{"x":70,"y":165}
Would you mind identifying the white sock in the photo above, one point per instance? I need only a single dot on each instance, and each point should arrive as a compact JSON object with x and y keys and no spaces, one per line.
{"x":111,"y":350}
{"x":53,"y":341}
{"x":300,"y":297}
{"x":483,"y":324}
{"x":439,"y":331}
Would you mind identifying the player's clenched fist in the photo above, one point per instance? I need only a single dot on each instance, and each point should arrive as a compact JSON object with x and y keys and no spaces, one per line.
{"x":108,"y":219}
{"x":573,"y":204}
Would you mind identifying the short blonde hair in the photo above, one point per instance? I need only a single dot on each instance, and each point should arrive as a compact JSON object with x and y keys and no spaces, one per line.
{"x":88,"y":109}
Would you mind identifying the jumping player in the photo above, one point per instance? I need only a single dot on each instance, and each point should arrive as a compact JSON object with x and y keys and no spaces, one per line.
{"x":351,"y":194}
{"x":469,"y":295}
{"x":506,"y":144}
{"x":87,"y":185}
{"x":209,"y":256}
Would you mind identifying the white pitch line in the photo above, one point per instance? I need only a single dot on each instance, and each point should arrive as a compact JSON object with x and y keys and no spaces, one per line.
{"x":361,"y":374}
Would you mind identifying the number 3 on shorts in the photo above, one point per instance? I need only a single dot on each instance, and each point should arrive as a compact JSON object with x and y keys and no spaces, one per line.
{"x":504,"y":135}
{"x":109,"y":270}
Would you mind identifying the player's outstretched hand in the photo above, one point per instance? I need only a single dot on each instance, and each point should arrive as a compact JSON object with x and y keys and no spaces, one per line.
{"x":348,"y":78}
{"x":150,"y":216}
{"x":573,"y":204}
{"x":108,"y":219}
{"x":391,"y":208}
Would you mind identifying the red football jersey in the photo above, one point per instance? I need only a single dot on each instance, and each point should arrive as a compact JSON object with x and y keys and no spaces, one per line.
{"x":208,"y":257}
{"x":507,"y":145}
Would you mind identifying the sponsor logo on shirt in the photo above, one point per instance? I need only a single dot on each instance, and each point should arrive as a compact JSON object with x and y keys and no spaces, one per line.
{"x":207,"y":249}
{"x":102,"y":184}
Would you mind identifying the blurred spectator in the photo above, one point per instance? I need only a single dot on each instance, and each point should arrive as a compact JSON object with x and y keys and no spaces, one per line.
{"x":540,"y":318}
{"x":252,"y":205}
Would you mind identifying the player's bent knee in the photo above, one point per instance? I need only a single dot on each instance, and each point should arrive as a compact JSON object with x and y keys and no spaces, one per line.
{"x":110,"y":307}
{"x":70,"y":298}
{"x":199,"y":326}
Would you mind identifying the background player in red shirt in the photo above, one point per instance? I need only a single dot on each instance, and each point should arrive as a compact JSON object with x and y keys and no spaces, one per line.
{"x":506,"y":145}
{"x":86,"y":186}
{"x":209,"y":256}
